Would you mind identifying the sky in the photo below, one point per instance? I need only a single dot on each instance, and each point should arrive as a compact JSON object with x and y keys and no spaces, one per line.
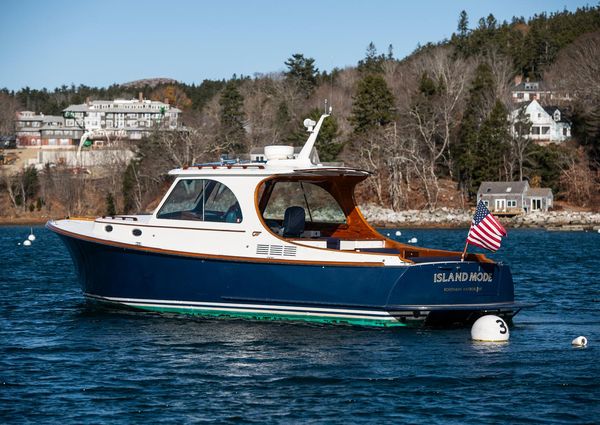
{"x":100,"y":42}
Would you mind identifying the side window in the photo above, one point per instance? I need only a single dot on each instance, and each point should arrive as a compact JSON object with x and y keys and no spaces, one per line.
{"x":201,"y":200}
{"x":319,"y":205}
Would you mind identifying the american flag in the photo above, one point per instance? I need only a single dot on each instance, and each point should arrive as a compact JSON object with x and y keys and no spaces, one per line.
{"x":486,"y":231}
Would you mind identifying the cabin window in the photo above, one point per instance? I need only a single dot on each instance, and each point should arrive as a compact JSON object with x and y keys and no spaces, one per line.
{"x":201,"y":200}
{"x":319,"y":205}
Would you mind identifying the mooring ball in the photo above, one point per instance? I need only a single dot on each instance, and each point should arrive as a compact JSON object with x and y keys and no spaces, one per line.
{"x":412,"y":240}
{"x":31,"y":237}
{"x":580,"y":341}
{"x":398,"y":233}
{"x":27,"y":242}
{"x":490,"y":328}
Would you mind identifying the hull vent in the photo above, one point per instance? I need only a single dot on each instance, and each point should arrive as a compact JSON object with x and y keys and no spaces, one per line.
{"x":276,"y":250}
{"x":289,"y":251}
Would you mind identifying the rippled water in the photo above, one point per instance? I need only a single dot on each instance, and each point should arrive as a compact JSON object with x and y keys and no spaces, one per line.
{"x":64,"y":361}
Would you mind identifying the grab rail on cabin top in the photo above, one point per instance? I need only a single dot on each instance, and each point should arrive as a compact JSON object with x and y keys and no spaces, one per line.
{"x":122,"y":217}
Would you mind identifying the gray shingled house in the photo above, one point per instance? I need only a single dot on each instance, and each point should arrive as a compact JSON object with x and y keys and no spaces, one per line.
{"x":512,"y":198}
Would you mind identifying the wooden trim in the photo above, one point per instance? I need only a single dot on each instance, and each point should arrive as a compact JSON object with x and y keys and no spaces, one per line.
{"x":373,"y":235}
{"x":210,"y":256}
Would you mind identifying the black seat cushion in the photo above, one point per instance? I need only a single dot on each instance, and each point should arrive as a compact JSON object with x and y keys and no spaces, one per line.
{"x":294,"y":220}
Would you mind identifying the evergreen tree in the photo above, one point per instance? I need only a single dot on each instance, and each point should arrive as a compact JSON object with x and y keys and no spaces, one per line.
{"x":302,"y":72}
{"x":492,"y":146}
{"x":463,"y":24}
{"x":390,"y":54}
{"x":232,"y":118}
{"x":110,"y":205}
{"x":461,"y":40}
{"x":373,"y":104}
{"x":466,"y":152}
{"x":372,"y":63}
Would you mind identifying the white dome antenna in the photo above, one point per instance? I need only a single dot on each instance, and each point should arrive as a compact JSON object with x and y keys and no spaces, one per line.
{"x":309,"y":124}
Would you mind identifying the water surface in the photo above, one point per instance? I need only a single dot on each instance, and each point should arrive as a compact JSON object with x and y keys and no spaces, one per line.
{"x":62,"y":361}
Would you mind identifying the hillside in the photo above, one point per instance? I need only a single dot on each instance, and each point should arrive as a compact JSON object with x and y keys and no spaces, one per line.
{"x":433,"y":124}
{"x":149,"y":82}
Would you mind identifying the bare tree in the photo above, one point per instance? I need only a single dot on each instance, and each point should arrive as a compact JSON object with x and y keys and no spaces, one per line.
{"x":578,"y":180}
{"x":576,"y":71}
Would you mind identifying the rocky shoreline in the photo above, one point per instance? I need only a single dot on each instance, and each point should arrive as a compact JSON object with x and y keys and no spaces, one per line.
{"x":440,"y":218}
{"x":457,"y":218}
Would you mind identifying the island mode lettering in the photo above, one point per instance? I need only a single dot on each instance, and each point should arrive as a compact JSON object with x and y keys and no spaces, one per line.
{"x":462,"y":277}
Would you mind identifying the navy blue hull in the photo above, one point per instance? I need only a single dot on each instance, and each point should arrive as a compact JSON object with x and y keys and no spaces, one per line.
{"x":112,"y":272}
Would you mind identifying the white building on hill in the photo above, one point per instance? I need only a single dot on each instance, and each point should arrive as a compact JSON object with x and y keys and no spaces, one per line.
{"x":548,"y":123}
{"x":127,"y":119}
{"x":117,"y":119}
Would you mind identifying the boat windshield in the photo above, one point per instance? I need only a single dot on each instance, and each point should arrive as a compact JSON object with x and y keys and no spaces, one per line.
{"x":318,"y":204}
{"x":201,"y":200}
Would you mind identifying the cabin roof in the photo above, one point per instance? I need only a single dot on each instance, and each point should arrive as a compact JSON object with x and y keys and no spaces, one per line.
{"x":542,"y":192}
{"x":502,"y":187}
{"x":265,"y":169}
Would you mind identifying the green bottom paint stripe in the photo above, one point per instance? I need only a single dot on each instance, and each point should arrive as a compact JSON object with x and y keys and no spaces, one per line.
{"x":273,"y":316}
{"x":255,"y":315}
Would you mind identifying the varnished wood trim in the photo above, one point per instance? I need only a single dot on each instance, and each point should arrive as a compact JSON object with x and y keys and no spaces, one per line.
{"x":50,"y":226}
{"x":373,"y":236}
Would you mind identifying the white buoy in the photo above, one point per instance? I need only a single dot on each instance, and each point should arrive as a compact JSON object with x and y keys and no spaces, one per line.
{"x":387,"y":234}
{"x":398,"y":233}
{"x":27,"y":242}
{"x":580,"y":341}
{"x":31,"y":236}
{"x":490,"y":328}
{"x":412,"y":240}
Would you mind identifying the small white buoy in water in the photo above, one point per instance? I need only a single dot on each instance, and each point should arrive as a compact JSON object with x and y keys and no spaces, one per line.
{"x":27,"y":242}
{"x":387,"y":234}
{"x":31,"y":237}
{"x":398,"y":233}
{"x":580,"y":341}
{"x":412,"y":240}
{"x":490,"y":328}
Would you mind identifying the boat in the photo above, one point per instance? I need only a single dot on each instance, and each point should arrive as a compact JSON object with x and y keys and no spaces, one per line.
{"x":281,"y":237}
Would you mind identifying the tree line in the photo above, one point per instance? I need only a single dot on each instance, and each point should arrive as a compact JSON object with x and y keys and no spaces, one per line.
{"x":438,"y":115}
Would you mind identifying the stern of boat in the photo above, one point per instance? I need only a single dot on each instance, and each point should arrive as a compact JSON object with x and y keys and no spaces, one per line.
{"x":453,"y":292}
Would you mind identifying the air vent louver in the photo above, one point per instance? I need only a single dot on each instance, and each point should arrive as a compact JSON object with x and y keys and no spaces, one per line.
{"x":276,"y":250}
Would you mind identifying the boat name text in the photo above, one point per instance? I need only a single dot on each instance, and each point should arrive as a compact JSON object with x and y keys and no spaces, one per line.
{"x":462,"y":277}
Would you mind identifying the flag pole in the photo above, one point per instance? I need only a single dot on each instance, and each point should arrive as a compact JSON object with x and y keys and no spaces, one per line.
{"x":462,"y":258}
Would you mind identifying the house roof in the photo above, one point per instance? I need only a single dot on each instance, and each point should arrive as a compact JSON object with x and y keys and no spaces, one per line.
{"x":542,"y":192}
{"x":490,"y":188}
{"x":551,"y":109}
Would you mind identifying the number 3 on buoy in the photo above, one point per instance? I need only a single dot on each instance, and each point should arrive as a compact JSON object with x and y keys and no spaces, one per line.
{"x":502,"y":325}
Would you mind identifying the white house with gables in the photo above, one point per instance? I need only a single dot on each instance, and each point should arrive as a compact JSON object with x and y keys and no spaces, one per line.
{"x":548,"y":123}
